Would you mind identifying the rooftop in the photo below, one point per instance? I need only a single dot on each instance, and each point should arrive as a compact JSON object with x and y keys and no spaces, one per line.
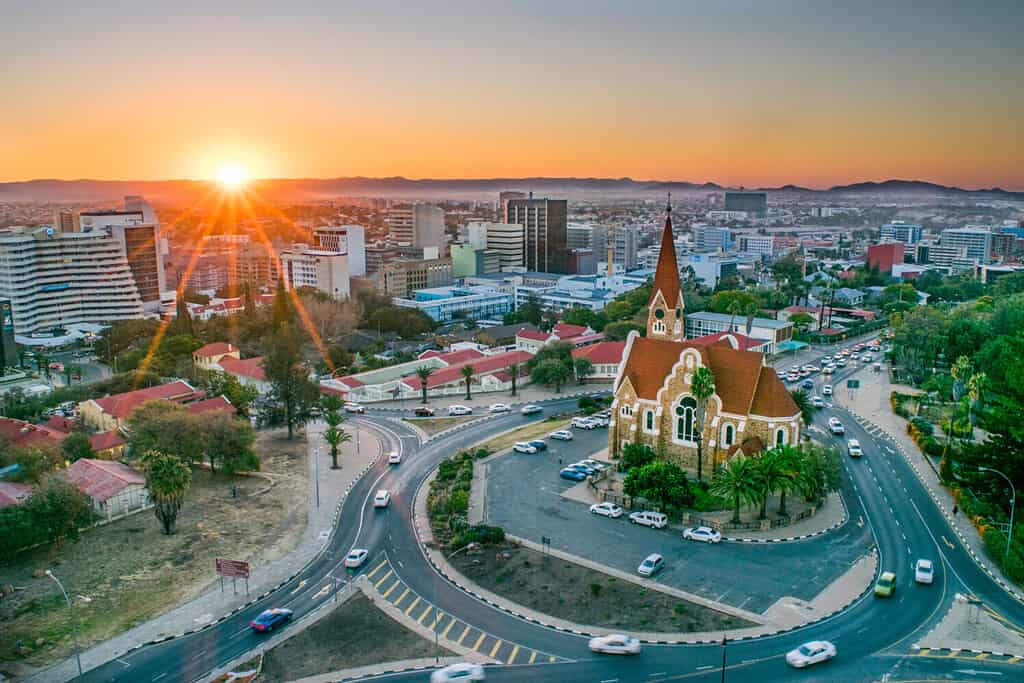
{"x":122,"y":405}
{"x":101,"y":479}
{"x":726,"y":318}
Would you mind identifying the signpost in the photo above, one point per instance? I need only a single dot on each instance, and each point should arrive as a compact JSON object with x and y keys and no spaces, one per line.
{"x":853,"y":384}
{"x":236,"y":569}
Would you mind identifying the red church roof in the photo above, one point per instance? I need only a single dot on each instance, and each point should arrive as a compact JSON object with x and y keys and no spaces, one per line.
{"x":666,"y":276}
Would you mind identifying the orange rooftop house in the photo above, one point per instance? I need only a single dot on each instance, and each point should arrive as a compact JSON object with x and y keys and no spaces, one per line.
{"x":653,"y":402}
{"x":111,"y":412}
{"x":207,"y":357}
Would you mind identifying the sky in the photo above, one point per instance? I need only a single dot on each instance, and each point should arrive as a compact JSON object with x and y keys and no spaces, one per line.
{"x":744,"y":92}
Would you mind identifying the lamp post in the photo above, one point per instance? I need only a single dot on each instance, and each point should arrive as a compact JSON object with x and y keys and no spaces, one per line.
{"x":74,"y":628}
{"x":316,"y":473}
{"x":1013,"y":502}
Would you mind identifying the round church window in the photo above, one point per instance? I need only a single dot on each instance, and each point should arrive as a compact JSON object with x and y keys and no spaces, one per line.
{"x":659,"y":314}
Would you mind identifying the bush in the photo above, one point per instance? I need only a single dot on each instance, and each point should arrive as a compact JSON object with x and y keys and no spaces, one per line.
{"x":595,"y":589}
{"x":459,"y":502}
{"x":995,"y":546}
{"x":588,"y":405}
{"x":482,"y":533}
{"x":703,"y":501}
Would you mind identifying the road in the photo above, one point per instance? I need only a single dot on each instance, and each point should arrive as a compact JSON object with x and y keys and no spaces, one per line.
{"x":873,"y":636}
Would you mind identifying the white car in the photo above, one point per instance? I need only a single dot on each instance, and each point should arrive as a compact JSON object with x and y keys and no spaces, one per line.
{"x":924,"y":571}
{"x":459,"y":410}
{"x":656,"y":520}
{"x":594,"y":464}
{"x":500,"y":408}
{"x":614,"y":644}
{"x":462,"y":671}
{"x":810,"y":653}
{"x":531,"y":409}
{"x":836,"y":426}
{"x":353,"y":407}
{"x":356,"y":557}
{"x":394,"y":458}
{"x":583,"y":423}
{"x":826,"y":390}
{"x":828,"y":370}
{"x":606,"y":510}
{"x":817,"y":401}
{"x":651,"y":565}
{"x":561,"y":435}
{"x":524,"y":447}
{"x":853,"y":448}
{"x":600,"y":420}
{"x":702,"y":533}
{"x":382,"y":499}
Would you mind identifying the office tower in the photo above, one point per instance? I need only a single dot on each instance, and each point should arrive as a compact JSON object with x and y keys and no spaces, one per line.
{"x":256,"y":265}
{"x":504,"y":197}
{"x":710,"y":238}
{"x":626,"y":242}
{"x":763,"y":245}
{"x":587,"y":236}
{"x":754,"y":203}
{"x":976,"y":241}
{"x":402,"y":277}
{"x":420,"y":225}
{"x":325,"y":271}
{"x":907,"y":233}
{"x":66,"y":221}
{"x":209,"y":272}
{"x":544,"y":221}
{"x":508,"y":240}
{"x":54,"y":279}
{"x":377,"y":256}
{"x":348,"y":239}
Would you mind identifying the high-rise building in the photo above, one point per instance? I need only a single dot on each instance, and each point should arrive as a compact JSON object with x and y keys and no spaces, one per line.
{"x":977,"y":242}
{"x":753,"y":203}
{"x":587,"y":236}
{"x":625,"y":243}
{"x":711,"y":238}
{"x":256,"y":265}
{"x":508,"y":240}
{"x":421,"y":225}
{"x":906,"y":233}
{"x":377,"y":256}
{"x":544,"y":221}
{"x":54,"y":279}
{"x":504,"y":197}
{"x":884,"y":256}
{"x":348,"y":239}
{"x":319,"y":269}
{"x":67,"y":221}
{"x":402,"y":277}
{"x":763,"y":245}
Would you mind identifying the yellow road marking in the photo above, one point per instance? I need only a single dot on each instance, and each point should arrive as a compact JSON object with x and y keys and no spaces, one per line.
{"x":1013,"y":660}
{"x":983,"y":655}
{"x":437,"y":620}
{"x":533,"y":656}
{"x":425,"y":613}
{"x":512,"y":657}
{"x":401,"y":597}
{"x":382,"y":579}
{"x":479,"y":640}
{"x":497,"y":646}
{"x":376,"y":569}
{"x":946,"y":541}
{"x":953,"y":653}
{"x":465,"y":632}
{"x":393,"y":587}
{"x":923,"y":652}
{"x":445,"y":634}
{"x":414,"y":603}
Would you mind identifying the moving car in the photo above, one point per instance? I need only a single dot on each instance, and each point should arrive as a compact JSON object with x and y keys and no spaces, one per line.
{"x":270,"y":619}
{"x":531,"y":409}
{"x":524,"y":447}
{"x":571,"y":474}
{"x":614,"y":644}
{"x":460,"y":671}
{"x":651,"y":565}
{"x":353,"y":407}
{"x":539,"y":444}
{"x":500,"y":408}
{"x":606,"y":510}
{"x":423,"y":411}
{"x":394,"y":458}
{"x":656,"y":520}
{"x":561,"y":435}
{"x":835,"y":426}
{"x":702,"y":533}
{"x":886,"y":585}
{"x":853,"y":448}
{"x":826,"y":390}
{"x":814,"y":652}
{"x":382,"y":499}
{"x":459,"y":410}
{"x":583,"y":423}
{"x":924,"y":571}
{"x":356,"y":557}
{"x":817,"y":401}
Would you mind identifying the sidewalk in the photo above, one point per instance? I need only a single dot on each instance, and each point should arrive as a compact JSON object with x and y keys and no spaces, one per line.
{"x":871,"y":404}
{"x":212,"y":603}
{"x":528,"y":393}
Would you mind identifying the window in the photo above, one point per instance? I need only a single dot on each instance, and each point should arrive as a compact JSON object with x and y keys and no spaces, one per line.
{"x":649,"y":421}
{"x":780,"y":437}
{"x":659,"y":314}
{"x":659,"y":327}
{"x":685,"y":419}
{"x":626,"y":411}
{"x":728,"y":435}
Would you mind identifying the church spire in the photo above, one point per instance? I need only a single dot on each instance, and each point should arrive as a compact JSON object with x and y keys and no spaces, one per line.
{"x":665,"y":307}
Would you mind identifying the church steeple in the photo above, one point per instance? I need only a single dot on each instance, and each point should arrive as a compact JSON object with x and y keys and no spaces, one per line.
{"x":665,"y":316}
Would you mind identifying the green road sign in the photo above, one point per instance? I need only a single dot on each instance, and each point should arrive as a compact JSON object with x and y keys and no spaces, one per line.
{"x":853,"y":384}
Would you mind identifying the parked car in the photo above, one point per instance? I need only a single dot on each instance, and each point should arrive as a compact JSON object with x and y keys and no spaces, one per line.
{"x":499,"y":408}
{"x":457,"y":410}
{"x":353,"y":407}
{"x":382,"y":499}
{"x":524,"y":447}
{"x":807,"y":384}
{"x":561,"y":435}
{"x":356,"y":557}
{"x":539,"y":444}
{"x":571,"y":474}
{"x":594,"y":464}
{"x":583,"y":423}
{"x":394,"y":458}
{"x":460,"y":671}
{"x":584,"y":468}
{"x":817,"y":401}
{"x":606,"y":510}
{"x":836,"y":426}
{"x":924,"y":571}
{"x":600,"y":420}
{"x":826,"y":390}
{"x":423,"y":411}
{"x":531,"y":409}
{"x":614,"y":644}
{"x":853,"y":448}
{"x":702,"y":533}
{"x":270,"y":619}
{"x":885,"y":585}
{"x":814,"y":652}
{"x":651,"y":565}
{"x":649,"y":518}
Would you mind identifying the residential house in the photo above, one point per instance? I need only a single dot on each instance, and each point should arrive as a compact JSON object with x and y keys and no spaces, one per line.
{"x":111,"y":412}
{"x":114,"y":488}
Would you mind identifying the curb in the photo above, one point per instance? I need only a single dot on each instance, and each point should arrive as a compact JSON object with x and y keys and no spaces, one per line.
{"x":790,"y":539}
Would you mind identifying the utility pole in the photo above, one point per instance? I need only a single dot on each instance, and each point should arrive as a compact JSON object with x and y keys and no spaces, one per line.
{"x":316,"y":476}
{"x":723,"y":659}
{"x":74,"y":627}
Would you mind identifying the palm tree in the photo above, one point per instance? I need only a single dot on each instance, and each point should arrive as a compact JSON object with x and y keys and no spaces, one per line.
{"x":424,"y":372}
{"x":467,"y":376}
{"x":961,"y":372}
{"x":334,"y":435}
{"x":750,"y":309}
{"x":737,"y":480}
{"x":803,"y":402}
{"x":975,"y":390}
{"x":792,"y":464}
{"x":734,"y":308}
{"x":167,"y":479}
{"x":702,"y":387}
{"x":513,"y":371}
{"x":773,"y":475}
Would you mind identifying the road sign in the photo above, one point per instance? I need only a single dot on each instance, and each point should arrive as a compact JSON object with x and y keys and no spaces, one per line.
{"x":853,"y":384}
{"x":233,"y":568}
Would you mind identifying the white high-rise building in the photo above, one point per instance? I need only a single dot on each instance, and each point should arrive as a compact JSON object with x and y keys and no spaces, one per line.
{"x":711,"y":238}
{"x":507,"y":240}
{"x":56,"y":279}
{"x":421,"y":225}
{"x":348,"y":239}
{"x":977,"y":242}
{"x":326,"y":271}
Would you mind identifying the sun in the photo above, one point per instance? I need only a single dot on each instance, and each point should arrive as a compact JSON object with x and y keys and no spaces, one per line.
{"x":232,"y":176}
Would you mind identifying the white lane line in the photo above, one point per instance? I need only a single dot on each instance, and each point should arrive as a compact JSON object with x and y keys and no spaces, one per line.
{"x":703,"y":668}
{"x":122,"y":663}
{"x":238,"y":633}
{"x":158,"y":677}
{"x":199,"y":654}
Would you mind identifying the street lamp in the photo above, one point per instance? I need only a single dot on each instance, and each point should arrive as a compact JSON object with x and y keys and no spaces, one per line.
{"x":74,"y":629}
{"x":1013,"y":502}
{"x":316,"y":473}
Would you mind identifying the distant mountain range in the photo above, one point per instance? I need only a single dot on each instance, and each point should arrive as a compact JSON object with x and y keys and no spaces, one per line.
{"x":305,"y":189}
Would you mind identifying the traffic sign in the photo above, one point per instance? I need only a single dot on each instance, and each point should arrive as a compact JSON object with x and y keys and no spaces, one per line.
{"x":233,"y":568}
{"x":853,"y":384}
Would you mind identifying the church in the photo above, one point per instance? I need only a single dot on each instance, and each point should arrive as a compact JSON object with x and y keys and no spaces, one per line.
{"x":750,"y":409}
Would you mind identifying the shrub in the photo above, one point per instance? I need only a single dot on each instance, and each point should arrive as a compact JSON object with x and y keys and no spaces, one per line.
{"x":481,"y":533}
{"x":703,"y":501}
{"x":595,"y":589}
{"x":459,"y":502}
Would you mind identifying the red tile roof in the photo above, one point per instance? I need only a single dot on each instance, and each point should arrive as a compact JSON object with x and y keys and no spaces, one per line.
{"x":13,"y":494}
{"x":461,"y":356}
{"x":432,"y":353}
{"x":20,"y":433}
{"x":482,"y":366}
{"x":744,"y":342}
{"x":666,"y":275}
{"x":214,"y":349}
{"x":101,"y":479}
{"x":602,"y":352}
{"x":535,"y":335}
{"x":122,"y":405}
{"x":249,"y":367}
{"x":106,"y":440}
{"x":351,"y":381}
{"x":566,"y":331}
{"x":211,"y":405}
{"x":60,"y":424}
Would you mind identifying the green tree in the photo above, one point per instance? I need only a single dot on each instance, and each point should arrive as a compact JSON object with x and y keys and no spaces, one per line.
{"x":76,"y":446}
{"x":467,"y":377}
{"x":803,"y":402}
{"x":280,"y":311}
{"x":168,"y":480}
{"x":248,"y":302}
{"x":702,"y":387}
{"x":290,"y":387}
{"x":424,"y":372}
{"x":584,"y":368}
{"x":183,"y":319}
{"x":961,"y":371}
{"x":168,"y":428}
{"x":791,"y":464}
{"x":618,"y":331}
{"x":773,"y":475}
{"x":334,"y":435}
{"x":36,"y":461}
{"x":229,"y":443}
{"x":801,"y":321}
{"x":737,"y":480}
{"x":551,"y":372}
{"x":819,"y":472}
{"x":635,"y":455}
{"x":60,"y":510}
{"x":661,"y":482}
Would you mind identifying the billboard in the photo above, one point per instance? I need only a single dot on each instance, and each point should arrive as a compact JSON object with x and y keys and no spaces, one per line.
{"x":233,"y":568}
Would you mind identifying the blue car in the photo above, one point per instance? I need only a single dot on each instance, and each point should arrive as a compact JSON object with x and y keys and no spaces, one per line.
{"x":580,"y":467}
{"x":539,"y":444}
{"x":573,"y":475}
{"x":269,"y":619}
{"x":807,"y":384}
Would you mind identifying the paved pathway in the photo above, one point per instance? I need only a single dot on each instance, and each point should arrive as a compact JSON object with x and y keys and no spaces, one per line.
{"x":525,"y":394}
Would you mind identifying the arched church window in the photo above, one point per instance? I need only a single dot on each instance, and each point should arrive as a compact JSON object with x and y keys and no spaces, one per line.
{"x":649,"y":421}
{"x":728,"y":435}
{"x":780,"y":437}
{"x":685,"y":419}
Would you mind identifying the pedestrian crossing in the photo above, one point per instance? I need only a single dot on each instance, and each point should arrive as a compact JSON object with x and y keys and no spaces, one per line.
{"x":390,"y":587}
{"x":988,"y":657}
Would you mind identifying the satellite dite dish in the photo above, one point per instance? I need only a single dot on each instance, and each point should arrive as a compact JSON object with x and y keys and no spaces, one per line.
{"x":49,"y":232}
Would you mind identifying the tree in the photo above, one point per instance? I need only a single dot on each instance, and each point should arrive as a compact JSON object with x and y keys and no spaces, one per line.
{"x":76,"y":446}
{"x":661,"y":482}
{"x":217,"y":383}
{"x":737,"y":480}
{"x":167,"y":479}
{"x":513,"y":371}
{"x":961,"y":371}
{"x":467,"y":377}
{"x":819,"y":472}
{"x":791,"y":464}
{"x":229,"y":443}
{"x":618,"y":331}
{"x":584,"y":367}
{"x":60,"y":509}
{"x":36,"y":461}
{"x":702,"y":387}
{"x":290,"y":388}
{"x":801,"y":320}
{"x":280,"y":311}
{"x":334,"y":435}
{"x":803,"y":402}
{"x":248,"y":303}
{"x":772,"y":474}
{"x":635,"y":455}
{"x":183,"y":319}
{"x":424,"y":372}
{"x":551,"y":372}
{"x":167,"y":428}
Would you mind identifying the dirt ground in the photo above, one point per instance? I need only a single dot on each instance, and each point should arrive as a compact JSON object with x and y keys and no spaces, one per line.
{"x":433,"y":425}
{"x":355,"y":634}
{"x":124,"y":573}
{"x":532,"y":431}
{"x":584,"y":596}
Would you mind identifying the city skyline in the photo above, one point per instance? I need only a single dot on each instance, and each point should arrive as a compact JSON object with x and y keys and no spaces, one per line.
{"x":755,"y":94}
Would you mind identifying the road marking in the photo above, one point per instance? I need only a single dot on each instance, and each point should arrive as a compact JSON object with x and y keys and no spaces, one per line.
{"x":946,"y":541}
{"x":323,"y":591}
{"x":465,"y":631}
{"x":702,"y":668}
{"x":479,"y":640}
{"x":923,"y":652}
{"x":533,"y":656}
{"x":551,"y":658}
{"x":401,"y":597}
{"x":382,"y":579}
{"x":393,"y":587}
{"x":610,"y":680}
{"x":452,"y":623}
{"x":512,"y":657}
{"x":159,"y":676}
{"x":301,"y":585}
{"x":437,"y":620}
{"x":425,"y":613}
{"x":976,"y":672}
{"x":497,"y":646}
{"x":410,"y":607}
{"x":377,"y":569}
{"x":1013,"y":660}
{"x":122,"y":663}
{"x":983,"y":655}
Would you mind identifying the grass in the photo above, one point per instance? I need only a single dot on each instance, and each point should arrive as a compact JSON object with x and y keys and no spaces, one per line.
{"x":531,"y":431}
{"x":433,"y":425}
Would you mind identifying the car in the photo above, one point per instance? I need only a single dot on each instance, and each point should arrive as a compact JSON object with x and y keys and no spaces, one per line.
{"x":499,"y":408}
{"x":924,"y":571}
{"x":539,"y":444}
{"x":651,"y":565}
{"x":826,"y":390}
{"x":269,"y":619}
{"x":606,"y":510}
{"x":885,"y":585}
{"x":423,"y":411}
{"x":836,"y":426}
{"x":531,"y":409}
{"x":853,"y":448}
{"x":353,"y":407}
{"x":702,"y":533}
{"x":828,"y":370}
{"x":583,"y":423}
{"x":656,"y":520}
{"x":594,"y":464}
{"x":841,"y":363}
{"x":600,"y":420}
{"x":584,"y":468}
{"x":394,"y":458}
{"x":382,"y":499}
{"x":457,"y":410}
{"x":614,"y":644}
{"x":817,"y":401}
{"x":793,"y":377}
{"x":826,"y":359}
{"x":460,"y":671}
{"x":561,"y":435}
{"x":356,"y":557}
{"x":59,"y":367}
{"x":524,"y":447}
{"x":807,"y":384}
{"x":814,"y":652}
{"x":571,"y":474}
